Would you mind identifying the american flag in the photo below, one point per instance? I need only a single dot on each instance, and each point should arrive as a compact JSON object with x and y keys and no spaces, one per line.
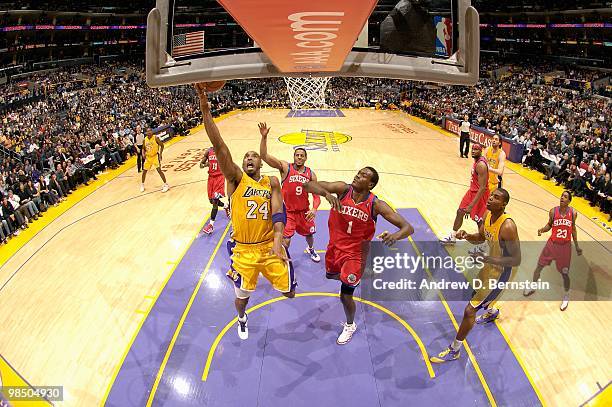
{"x":188,"y":44}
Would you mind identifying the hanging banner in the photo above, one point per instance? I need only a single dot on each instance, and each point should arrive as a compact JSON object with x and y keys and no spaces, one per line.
{"x":312,"y":36}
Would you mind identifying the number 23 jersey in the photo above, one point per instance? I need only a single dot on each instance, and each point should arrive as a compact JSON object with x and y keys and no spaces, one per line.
{"x":251,"y":209}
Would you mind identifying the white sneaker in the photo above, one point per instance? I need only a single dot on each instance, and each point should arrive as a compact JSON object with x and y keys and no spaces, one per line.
{"x":479,"y":250}
{"x":165,"y":188}
{"x":141,"y":187}
{"x":528,"y":291}
{"x":243,"y":329}
{"x":565,"y":302}
{"x":314,"y":256}
{"x":450,"y":239}
{"x":347,"y":333}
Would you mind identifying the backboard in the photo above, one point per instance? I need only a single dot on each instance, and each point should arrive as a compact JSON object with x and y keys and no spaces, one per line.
{"x":423,"y":40}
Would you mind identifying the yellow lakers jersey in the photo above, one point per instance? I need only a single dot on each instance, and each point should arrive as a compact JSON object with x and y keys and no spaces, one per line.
{"x":251,"y":209}
{"x":491,"y":232}
{"x":493,"y":160}
{"x":150,"y":146}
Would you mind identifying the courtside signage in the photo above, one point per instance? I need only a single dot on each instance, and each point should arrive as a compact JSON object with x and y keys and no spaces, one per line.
{"x":313,"y":36}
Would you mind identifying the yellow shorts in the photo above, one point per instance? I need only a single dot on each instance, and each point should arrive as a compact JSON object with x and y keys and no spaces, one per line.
{"x":247,"y":261}
{"x":151,"y":163}
{"x":485,"y":292}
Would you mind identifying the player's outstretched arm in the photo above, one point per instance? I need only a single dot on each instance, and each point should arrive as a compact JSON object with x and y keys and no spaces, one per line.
{"x":282,"y":166}
{"x":508,"y":239}
{"x":548,"y":226}
{"x":405,"y":228}
{"x":316,"y":202}
{"x":278,"y":218}
{"x":326,"y":189}
{"x":230,"y":170}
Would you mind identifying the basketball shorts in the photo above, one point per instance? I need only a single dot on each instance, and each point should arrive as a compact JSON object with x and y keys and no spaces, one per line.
{"x":248,"y":261}
{"x":151,"y":163}
{"x":297,"y":222}
{"x":561,"y":253}
{"x":479,"y":209}
{"x":349,"y":265}
{"x":216,"y":185}
{"x":485,"y":294}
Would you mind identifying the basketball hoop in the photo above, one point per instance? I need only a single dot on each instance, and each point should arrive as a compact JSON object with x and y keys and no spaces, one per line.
{"x":307,"y":92}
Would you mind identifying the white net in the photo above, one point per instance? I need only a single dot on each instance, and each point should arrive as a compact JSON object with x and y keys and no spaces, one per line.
{"x":307,"y":93}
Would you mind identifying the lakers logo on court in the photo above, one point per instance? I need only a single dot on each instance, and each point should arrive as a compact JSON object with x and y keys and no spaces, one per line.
{"x":316,"y":140}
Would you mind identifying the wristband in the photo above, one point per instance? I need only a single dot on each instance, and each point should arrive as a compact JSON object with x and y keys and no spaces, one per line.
{"x":279,"y":217}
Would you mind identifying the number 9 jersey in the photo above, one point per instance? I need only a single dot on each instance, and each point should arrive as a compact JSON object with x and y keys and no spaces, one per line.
{"x":251,"y":209}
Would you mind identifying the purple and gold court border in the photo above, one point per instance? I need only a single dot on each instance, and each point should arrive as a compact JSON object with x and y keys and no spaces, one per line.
{"x":187,"y":352}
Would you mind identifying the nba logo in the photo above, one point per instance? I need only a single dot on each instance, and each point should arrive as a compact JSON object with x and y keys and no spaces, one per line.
{"x":444,"y":36}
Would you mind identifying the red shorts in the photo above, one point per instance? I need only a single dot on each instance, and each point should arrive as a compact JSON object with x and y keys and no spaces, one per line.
{"x":479,"y":208}
{"x":561,"y":253}
{"x":296,"y":222}
{"x":216,"y":185}
{"x":350,"y":266}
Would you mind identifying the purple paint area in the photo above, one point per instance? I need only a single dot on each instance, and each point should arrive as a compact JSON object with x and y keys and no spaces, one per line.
{"x":316,"y":113}
{"x":505,"y":377}
{"x":137,"y":374}
{"x":291,"y":357}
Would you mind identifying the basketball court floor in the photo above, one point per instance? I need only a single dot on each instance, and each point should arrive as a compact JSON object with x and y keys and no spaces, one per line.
{"x":122,"y":302}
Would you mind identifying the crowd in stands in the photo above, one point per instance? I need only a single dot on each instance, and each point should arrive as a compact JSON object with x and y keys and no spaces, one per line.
{"x":83,"y":123}
{"x":565,"y":134}
{"x":70,"y":125}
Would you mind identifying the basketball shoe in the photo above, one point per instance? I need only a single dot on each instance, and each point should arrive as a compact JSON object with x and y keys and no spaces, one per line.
{"x":208,"y":229}
{"x":491,"y":315}
{"x":347,"y":333}
{"x":446,"y":356}
{"x":314,"y":256}
{"x":450,"y":239}
{"x":243,"y":328}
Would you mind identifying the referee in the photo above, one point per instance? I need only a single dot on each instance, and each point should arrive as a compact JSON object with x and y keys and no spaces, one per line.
{"x":464,"y":138}
{"x":139,"y":142}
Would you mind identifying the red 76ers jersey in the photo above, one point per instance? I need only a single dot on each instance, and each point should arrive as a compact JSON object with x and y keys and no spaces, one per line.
{"x":474,"y":184}
{"x":354,"y":225}
{"x":562,"y":225}
{"x":294,"y":196}
{"x":213,"y":164}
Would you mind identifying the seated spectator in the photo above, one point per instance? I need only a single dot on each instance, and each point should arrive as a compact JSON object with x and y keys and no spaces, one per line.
{"x":61,"y":178}
{"x":34,"y":194}
{"x":56,"y":187}
{"x":20,"y":212}
{"x":48,"y":196}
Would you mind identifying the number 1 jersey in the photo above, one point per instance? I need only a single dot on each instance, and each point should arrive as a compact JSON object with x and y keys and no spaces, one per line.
{"x":352,"y":226}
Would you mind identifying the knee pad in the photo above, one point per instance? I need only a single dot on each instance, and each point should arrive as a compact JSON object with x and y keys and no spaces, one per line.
{"x":347,"y":289}
{"x":240,"y":293}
